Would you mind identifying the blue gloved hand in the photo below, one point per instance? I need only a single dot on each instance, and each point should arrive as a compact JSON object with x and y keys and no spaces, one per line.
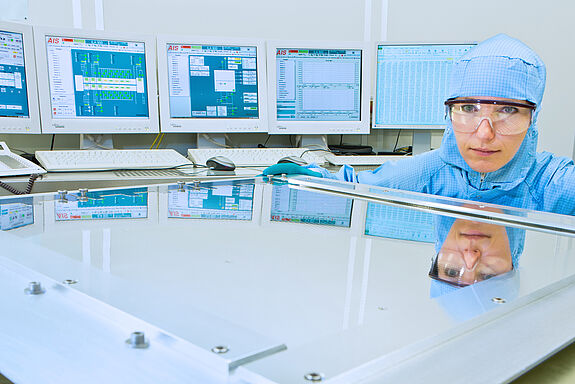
{"x":289,"y":169}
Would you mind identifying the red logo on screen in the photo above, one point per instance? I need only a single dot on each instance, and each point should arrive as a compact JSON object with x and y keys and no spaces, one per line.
{"x":281,"y":52}
{"x":54,"y":40}
{"x":173,"y":48}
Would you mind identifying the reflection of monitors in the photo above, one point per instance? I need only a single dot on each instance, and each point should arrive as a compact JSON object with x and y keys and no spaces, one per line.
{"x":18,"y":94}
{"x":212,"y":85}
{"x":227,"y":202}
{"x":411,"y":84}
{"x":96,"y":82}
{"x":411,"y":87}
{"x":318,"y":88}
{"x":15,"y":213}
{"x":114,"y":204}
{"x":399,"y":223}
{"x":298,"y":206}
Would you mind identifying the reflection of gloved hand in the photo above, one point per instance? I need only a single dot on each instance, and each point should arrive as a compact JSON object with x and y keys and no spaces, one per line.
{"x":289,"y":169}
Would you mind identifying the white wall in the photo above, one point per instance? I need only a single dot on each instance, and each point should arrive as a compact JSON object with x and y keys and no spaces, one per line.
{"x":545,"y":26}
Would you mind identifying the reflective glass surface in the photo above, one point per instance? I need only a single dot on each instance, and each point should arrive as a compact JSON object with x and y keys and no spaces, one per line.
{"x":248,"y":280}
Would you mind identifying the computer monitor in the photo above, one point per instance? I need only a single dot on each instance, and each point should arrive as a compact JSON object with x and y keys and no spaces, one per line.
{"x":130,"y":203}
{"x":291,"y":205}
{"x":318,"y":88}
{"x":212,"y":85}
{"x":411,"y":86}
{"x":16,"y":213}
{"x":18,"y":94}
{"x":95,"y":82}
{"x":399,"y":223}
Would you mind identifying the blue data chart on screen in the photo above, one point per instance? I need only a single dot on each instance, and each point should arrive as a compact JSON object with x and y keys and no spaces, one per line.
{"x":412,"y":81}
{"x":97,"y":78}
{"x":296,"y":206}
{"x":118,"y":204}
{"x":213,"y":81}
{"x":225,"y":202}
{"x":399,"y":223}
{"x":318,"y":84}
{"x":16,"y":213}
{"x":13,"y":89}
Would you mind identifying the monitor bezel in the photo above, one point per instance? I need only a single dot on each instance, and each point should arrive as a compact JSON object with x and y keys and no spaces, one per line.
{"x":360,"y":127}
{"x":96,"y":125}
{"x":210,"y":125}
{"x":30,"y":124}
{"x":376,"y":74}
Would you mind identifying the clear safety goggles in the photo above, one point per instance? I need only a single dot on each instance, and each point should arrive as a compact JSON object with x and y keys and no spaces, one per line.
{"x":450,"y":267}
{"x":505,"y":118}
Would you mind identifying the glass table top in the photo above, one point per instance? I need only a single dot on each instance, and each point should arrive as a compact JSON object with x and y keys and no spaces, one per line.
{"x":280,"y":280}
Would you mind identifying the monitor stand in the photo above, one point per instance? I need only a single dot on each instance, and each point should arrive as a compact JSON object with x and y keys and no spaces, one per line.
{"x":203,"y":142}
{"x":421,"y":141}
{"x":316,"y":141}
{"x":95,"y":142}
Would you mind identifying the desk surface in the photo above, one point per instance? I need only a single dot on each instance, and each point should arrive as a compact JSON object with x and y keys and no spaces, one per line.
{"x":270,"y":300}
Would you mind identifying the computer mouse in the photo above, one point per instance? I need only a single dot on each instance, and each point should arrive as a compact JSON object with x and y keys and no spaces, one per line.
{"x":293,"y":160}
{"x":220,"y":163}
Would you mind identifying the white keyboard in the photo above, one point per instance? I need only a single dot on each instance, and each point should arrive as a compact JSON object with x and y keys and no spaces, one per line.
{"x":366,"y":160}
{"x":90,"y":160}
{"x":255,"y":156}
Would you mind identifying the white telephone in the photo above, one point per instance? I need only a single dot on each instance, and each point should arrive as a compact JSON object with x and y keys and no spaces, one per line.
{"x":13,"y":165}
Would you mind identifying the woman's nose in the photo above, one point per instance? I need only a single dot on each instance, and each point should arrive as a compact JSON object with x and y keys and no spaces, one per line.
{"x":471,"y":257}
{"x":485,"y":129}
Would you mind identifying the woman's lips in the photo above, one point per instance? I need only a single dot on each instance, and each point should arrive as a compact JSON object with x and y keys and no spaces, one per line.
{"x":483,"y":152}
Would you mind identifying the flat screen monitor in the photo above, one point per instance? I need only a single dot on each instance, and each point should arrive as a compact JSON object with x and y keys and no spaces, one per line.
{"x":318,"y":88}
{"x":399,"y":223}
{"x":96,"y":82}
{"x":18,"y":94}
{"x":215,"y":202}
{"x":292,"y":205}
{"x":16,"y":213}
{"x":131,"y":203}
{"x":212,"y":85}
{"x":411,"y":84}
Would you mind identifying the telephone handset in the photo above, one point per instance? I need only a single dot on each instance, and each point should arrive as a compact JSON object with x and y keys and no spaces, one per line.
{"x":13,"y":165}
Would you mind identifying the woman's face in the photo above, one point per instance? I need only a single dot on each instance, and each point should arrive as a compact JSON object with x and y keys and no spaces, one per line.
{"x":485,"y":149}
{"x":474,"y":251}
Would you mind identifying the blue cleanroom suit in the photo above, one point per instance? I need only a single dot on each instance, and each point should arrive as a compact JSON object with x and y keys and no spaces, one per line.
{"x":498,"y":67}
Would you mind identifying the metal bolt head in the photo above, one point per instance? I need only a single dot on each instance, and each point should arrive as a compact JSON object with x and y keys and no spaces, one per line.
{"x":138,"y":340}
{"x":62,"y":196}
{"x":498,"y":300}
{"x":70,"y":281}
{"x":314,"y":377}
{"x":181,"y":186}
{"x":219,"y":349}
{"x":83,"y":194}
{"x":34,"y":288}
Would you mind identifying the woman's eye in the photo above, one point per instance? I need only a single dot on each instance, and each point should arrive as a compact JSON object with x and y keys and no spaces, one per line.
{"x":452,"y":272}
{"x":485,"y":276}
{"x":508,"y":110}
{"x":469,"y":108}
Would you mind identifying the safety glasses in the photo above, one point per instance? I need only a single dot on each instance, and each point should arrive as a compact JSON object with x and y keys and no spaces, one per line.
{"x":505,"y":118}
{"x":450,"y":267}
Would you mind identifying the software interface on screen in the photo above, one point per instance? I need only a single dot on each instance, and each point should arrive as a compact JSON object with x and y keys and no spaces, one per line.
{"x":16,"y":213}
{"x":213,"y":81}
{"x":412,"y":83}
{"x":318,"y":84}
{"x":96,"y":78}
{"x":297,"y":206}
{"x":399,"y":223}
{"x":129,"y":203}
{"x":13,"y":89}
{"x":227,"y":202}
